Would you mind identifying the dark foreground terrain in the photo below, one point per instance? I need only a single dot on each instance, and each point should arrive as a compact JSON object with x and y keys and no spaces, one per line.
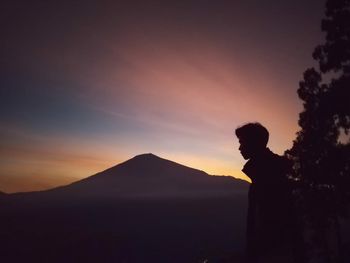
{"x":134,"y":231}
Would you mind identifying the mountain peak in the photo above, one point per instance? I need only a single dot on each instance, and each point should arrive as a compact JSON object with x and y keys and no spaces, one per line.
{"x":146,"y":156}
{"x":147,"y":163}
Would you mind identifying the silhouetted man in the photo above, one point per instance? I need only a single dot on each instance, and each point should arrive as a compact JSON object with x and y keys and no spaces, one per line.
{"x":268,"y":198}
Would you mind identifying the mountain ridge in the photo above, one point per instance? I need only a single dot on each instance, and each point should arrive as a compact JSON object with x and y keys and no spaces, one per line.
{"x":149,"y":176}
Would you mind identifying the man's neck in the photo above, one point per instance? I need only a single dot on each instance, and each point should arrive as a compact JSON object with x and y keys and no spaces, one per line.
{"x":258,"y":154}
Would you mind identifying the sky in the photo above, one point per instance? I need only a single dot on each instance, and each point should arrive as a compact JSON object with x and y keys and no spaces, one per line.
{"x":86,"y":85}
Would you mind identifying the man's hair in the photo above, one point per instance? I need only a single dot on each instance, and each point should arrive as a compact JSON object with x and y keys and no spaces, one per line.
{"x":254,"y":133}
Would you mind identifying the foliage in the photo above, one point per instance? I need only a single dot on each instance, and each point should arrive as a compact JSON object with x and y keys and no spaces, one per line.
{"x":321,"y":151}
{"x":322,"y":148}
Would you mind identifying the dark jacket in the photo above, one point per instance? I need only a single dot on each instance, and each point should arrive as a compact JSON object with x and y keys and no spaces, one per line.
{"x":269,"y":202}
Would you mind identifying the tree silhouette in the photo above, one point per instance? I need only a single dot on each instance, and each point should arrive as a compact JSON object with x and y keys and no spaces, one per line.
{"x":321,"y":151}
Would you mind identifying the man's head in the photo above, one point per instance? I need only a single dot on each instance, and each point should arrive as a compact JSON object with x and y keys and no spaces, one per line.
{"x":253,"y":138}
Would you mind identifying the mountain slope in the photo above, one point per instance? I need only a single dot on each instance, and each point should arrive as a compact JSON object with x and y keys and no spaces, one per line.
{"x":148,"y":175}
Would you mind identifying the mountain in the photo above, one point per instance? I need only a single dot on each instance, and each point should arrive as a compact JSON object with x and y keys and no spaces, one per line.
{"x":146,"y":209}
{"x":149,"y":176}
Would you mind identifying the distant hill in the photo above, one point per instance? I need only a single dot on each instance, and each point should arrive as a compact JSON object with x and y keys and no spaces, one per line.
{"x":3,"y":195}
{"x":148,"y":175}
{"x":146,"y":209}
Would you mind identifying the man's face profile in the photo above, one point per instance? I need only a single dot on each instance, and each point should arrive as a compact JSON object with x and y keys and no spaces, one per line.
{"x":247,"y":149}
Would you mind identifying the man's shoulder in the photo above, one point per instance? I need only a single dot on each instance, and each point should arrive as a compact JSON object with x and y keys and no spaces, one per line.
{"x":269,"y":166}
{"x":279,"y":159}
{"x":278,"y":165}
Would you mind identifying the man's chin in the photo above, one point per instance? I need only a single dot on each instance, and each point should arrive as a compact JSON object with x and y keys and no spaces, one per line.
{"x":245,"y":157}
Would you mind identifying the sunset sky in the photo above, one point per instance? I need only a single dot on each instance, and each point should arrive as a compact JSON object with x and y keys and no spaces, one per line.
{"x":86,"y":85}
